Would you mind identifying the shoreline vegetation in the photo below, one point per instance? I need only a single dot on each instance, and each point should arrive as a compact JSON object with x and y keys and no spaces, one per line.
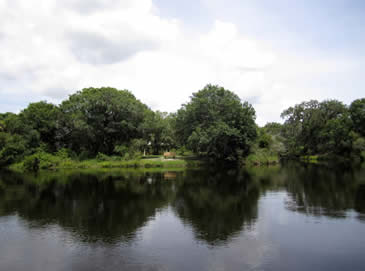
{"x":51,"y":162}
{"x":110,"y":128}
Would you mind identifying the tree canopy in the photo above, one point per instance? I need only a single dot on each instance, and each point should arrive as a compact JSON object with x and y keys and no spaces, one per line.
{"x":357,"y":112}
{"x":217,"y":124}
{"x":318,"y":128}
{"x":97,"y":119}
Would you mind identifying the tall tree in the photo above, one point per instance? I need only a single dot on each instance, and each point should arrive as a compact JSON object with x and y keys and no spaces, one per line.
{"x":313,"y":127}
{"x":217,"y":124}
{"x":41,"y":120}
{"x":98,"y":119}
{"x":157,"y":129}
{"x":357,"y":111}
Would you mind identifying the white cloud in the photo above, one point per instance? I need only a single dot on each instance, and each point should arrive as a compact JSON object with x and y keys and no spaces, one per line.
{"x":57,"y":47}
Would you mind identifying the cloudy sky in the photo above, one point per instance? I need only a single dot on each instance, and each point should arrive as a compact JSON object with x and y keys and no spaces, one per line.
{"x":271,"y":53}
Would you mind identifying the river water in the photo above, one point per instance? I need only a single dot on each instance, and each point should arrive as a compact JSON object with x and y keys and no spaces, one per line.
{"x":288,"y":217}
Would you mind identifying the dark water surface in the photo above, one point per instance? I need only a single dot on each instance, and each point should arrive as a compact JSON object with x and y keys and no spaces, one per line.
{"x":290,"y":217}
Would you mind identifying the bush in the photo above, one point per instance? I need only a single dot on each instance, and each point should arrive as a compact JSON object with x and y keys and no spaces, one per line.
{"x":102,"y":157}
{"x":42,"y":160}
{"x":31,"y":163}
{"x":262,"y":157}
{"x":264,"y":141}
{"x":63,"y":153}
{"x":122,"y":150}
{"x":181,"y":151}
{"x":130,"y":152}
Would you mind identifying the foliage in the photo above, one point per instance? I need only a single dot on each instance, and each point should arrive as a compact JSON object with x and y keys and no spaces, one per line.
{"x":265,"y":150}
{"x":158,"y":131}
{"x":111,"y":126}
{"x":98,"y":119}
{"x":316,"y":128}
{"x":41,"y":120}
{"x":273,"y":128}
{"x":216,"y":124}
{"x":12,"y":148}
{"x":44,"y":160}
{"x":264,"y":139}
{"x":261,"y":157}
{"x":357,"y":112}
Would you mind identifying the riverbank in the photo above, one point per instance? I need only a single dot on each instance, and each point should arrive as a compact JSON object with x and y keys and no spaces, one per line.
{"x":262,"y":157}
{"x":46,"y":161}
{"x":53,"y":162}
{"x":330,"y":158}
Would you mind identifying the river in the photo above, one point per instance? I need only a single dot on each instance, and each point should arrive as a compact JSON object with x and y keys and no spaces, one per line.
{"x":288,"y":217}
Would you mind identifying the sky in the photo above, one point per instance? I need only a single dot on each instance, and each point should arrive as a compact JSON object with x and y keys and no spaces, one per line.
{"x":273,"y":54}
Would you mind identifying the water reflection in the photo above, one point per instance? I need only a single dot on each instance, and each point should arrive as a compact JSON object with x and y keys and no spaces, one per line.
{"x":218,"y":205}
{"x":111,"y":206}
{"x":94,"y":207}
{"x":319,"y":191}
{"x":267,"y":218}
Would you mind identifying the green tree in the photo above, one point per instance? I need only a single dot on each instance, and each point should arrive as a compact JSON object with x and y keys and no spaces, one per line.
{"x":357,"y":111}
{"x":40,"y":119}
{"x":215,"y":123}
{"x":14,"y":124}
{"x":157,"y":129}
{"x":273,"y":128}
{"x":314,"y":128}
{"x":12,"y":147}
{"x":98,"y":119}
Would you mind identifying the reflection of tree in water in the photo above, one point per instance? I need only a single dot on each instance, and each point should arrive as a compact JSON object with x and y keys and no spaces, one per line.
{"x":92,"y":207}
{"x":318,"y":191}
{"x":360,"y":201}
{"x":217,"y":205}
{"x":110,"y":206}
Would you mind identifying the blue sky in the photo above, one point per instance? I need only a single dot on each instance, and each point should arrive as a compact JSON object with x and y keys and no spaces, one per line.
{"x":305,"y":25}
{"x":272,"y":53}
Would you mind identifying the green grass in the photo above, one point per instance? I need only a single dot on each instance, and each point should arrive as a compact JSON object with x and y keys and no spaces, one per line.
{"x":53,"y":162}
{"x":261,"y":157}
{"x":310,"y":158}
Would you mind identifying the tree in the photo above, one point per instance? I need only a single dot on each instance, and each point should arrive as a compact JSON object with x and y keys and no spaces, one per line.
{"x":40,"y":119}
{"x":14,"y":125}
{"x":12,"y":147}
{"x":98,"y":119}
{"x":317,"y":128}
{"x":273,"y":128}
{"x":357,"y":112}
{"x":215,"y":123}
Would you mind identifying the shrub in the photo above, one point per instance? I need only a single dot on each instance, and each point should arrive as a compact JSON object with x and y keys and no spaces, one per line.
{"x":84,"y":155}
{"x":63,"y":153}
{"x":42,"y":160}
{"x":31,"y":163}
{"x":122,"y":150}
{"x":102,"y":157}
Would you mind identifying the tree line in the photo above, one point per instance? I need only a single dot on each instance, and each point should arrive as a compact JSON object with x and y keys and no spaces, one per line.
{"x":328,"y":128}
{"x":214,"y":124}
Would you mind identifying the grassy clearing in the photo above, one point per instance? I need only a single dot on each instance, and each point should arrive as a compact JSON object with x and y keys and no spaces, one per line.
{"x":261,"y":157}
{"x":48,"y":161}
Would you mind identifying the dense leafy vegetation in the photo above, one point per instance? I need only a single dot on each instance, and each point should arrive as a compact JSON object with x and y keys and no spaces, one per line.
{"x":215,"y":123}
{"x":327,"y":128}
{"x":110,"y":125}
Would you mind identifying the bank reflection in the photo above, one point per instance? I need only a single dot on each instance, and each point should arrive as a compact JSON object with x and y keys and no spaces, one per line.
{"x":218,"y":205}
{"x":94,"y":207}
{"x":326,"y":191}
{"x":112,"y":206}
